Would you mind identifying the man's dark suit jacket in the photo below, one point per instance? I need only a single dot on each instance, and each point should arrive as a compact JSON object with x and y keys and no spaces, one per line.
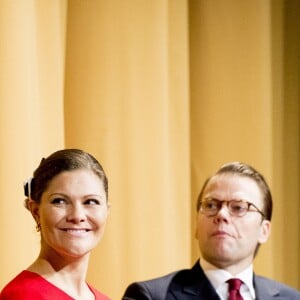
{"x":192,"y":284}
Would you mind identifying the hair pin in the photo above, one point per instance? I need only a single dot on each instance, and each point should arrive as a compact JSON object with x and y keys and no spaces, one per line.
{"x":27,"y":187}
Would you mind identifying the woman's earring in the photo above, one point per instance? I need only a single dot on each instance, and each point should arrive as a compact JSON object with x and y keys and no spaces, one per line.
{"x":38,"y":226}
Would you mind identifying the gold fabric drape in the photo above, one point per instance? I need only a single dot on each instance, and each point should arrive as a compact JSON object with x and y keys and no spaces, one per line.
{"x":32,"y":48}
{"x":162,"y":93}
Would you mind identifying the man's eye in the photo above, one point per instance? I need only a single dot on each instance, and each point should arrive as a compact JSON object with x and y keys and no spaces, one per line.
{"x":238,"y":206}
{"x":211,"y":205}
{"x":58,"y":201}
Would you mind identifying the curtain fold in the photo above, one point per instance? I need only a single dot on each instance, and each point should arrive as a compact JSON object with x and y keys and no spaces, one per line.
{"x":128,"y":104}
{"x":31,"y":115}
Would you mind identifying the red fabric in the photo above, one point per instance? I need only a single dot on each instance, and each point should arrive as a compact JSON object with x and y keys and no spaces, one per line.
{"x":29,"y":286}
{"x":234,"y":285}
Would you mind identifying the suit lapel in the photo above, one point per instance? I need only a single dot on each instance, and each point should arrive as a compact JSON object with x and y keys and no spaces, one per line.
{"x":265,"y":290}
{"x":192,"y":284}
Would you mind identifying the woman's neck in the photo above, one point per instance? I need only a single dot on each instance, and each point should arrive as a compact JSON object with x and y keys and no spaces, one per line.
{"x":66,"y":273}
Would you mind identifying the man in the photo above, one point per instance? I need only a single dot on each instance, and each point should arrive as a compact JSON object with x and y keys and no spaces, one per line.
{"x":234,"y":210}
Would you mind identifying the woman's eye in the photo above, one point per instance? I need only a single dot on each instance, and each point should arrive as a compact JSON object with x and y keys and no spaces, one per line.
{"x":58,"y":201}
{"x":92,"y":202}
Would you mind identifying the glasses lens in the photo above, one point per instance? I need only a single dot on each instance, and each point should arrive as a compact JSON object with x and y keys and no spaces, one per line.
{"x":238,"y":208}
{"x":210,"y":207}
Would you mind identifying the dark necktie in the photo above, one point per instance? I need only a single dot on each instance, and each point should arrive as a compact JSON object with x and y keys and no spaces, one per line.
{"x":234,"y":285}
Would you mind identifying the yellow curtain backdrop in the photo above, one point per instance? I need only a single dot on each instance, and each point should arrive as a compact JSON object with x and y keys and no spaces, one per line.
{"x":232,"y":107}
{"x":126,"y":99}
{"x":127,"y":115}
{"x":32,"y":42}
{"x":161,"y":92}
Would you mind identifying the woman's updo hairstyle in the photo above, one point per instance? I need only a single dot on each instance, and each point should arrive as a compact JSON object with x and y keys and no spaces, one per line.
{"x":58,"y":162}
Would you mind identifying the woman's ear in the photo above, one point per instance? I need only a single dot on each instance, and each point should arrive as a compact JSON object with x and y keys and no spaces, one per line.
{"x":108,"y":206}
{"x":33,"y":207}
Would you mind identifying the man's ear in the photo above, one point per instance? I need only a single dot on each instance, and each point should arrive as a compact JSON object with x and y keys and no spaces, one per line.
{"x":265,"y":231}
{"x":33,"y":207}
{"x":196,"y":229}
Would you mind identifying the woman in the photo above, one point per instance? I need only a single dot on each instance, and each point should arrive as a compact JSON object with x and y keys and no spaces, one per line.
{"x":67,"y":197}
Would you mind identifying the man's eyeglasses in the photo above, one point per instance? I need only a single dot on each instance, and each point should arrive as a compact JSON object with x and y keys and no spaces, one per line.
{"x":237,"y":208}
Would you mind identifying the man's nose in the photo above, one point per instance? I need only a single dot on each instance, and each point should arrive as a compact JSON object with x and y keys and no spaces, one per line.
{"x":223,"y":213}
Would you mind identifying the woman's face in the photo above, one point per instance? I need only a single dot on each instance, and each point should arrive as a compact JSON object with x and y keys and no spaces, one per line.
{"x":72,"y":213}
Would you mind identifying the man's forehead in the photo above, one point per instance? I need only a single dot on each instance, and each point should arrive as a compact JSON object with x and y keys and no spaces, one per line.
{"x":232,"y":185}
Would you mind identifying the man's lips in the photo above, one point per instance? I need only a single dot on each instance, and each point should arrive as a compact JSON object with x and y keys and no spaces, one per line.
{"x":221,"y":233}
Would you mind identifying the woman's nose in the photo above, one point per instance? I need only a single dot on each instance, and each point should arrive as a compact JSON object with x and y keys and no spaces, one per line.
{"x":76,"y":214}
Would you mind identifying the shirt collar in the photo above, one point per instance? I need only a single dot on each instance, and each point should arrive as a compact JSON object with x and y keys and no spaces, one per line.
{"x":217,"y":277}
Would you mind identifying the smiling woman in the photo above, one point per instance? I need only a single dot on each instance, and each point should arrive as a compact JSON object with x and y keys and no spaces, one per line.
{"x":68,"y":198}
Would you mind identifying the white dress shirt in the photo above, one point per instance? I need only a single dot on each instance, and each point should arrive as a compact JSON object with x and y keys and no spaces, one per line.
{"x":218,"y":278}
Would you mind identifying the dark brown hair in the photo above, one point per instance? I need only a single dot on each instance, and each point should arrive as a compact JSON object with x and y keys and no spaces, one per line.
{"x":58,"y":162}
{"x":242,"y":169}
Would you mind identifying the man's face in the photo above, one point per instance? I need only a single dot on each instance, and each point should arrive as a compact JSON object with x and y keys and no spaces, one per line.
{"x":227,"y":241}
